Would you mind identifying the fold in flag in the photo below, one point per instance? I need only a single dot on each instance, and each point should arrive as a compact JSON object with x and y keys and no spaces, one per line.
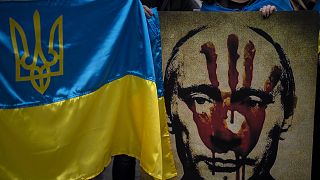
{"x":77,"y":86}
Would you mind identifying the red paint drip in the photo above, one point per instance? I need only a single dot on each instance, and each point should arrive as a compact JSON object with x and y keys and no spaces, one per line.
{"x":249,"y":53}
{"x":232,"y":117}
{"x":210,"y":52}
{"x":233,"y":43}
{"x":273,"y":79}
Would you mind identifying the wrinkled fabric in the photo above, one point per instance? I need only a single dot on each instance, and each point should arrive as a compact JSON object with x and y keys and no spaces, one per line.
{"x":100,"y":45}
{"x":155,"y":40}
{"x":78,"y":85}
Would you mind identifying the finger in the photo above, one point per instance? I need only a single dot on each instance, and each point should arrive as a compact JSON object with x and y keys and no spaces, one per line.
{"x":273,"y":8}
{"x":273,"y":79}
{"x":268,"y":10}
{"x":249,"y":53}
{"x":263,"y":11}
{"x":147,"y":11}
{"x":209,"y":51}
{"x":233,"y":44}
{"x":147,"y":15}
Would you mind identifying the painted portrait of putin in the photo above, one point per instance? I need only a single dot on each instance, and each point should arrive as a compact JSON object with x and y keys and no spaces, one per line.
{"x":227,"y":105}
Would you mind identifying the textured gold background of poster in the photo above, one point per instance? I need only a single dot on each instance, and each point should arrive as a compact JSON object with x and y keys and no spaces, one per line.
{"x":297,"y":33}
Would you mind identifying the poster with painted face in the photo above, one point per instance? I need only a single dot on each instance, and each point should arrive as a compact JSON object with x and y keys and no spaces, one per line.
{"x":240,"y":93}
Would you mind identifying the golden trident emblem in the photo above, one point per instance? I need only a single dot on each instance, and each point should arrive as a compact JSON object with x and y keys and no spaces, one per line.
{"x":39,"y":75}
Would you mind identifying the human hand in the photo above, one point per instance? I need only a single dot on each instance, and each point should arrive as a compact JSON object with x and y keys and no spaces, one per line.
{"x":147,"y":11}
{"x":267,"y":10}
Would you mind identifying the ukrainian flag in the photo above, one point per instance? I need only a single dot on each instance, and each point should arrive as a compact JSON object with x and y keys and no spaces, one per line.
{"x":77,"y":86}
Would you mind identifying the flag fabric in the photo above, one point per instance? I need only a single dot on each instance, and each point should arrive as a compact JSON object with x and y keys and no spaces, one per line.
{"x":281,"y":5}
{"x":77,"y":86}
{"x":153,"y":24}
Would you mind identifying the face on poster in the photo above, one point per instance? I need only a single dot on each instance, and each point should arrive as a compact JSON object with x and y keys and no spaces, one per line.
{"x":235,"y":90}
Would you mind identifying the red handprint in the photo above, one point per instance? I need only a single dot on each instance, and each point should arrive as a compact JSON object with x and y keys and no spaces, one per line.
{"x":248,"y":103}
